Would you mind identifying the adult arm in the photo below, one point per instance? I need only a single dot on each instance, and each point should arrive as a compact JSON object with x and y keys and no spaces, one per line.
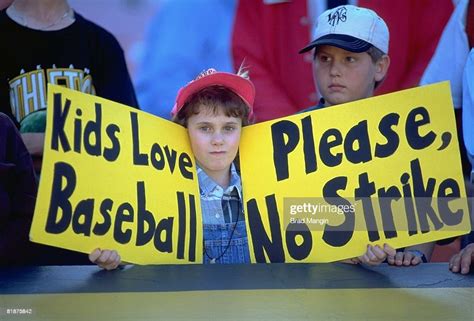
{"x":18,"y":189}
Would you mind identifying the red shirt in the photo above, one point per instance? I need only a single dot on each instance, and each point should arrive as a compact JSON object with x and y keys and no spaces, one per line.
{"x":415,"y":28}
{"x":267,"y":38}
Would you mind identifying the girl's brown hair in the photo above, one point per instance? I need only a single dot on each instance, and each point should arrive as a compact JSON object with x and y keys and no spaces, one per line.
{"x":214,"y":98}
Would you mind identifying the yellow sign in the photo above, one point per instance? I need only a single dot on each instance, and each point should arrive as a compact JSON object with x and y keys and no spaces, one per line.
{"x":320,"y":186}
{"x":117,"y":178}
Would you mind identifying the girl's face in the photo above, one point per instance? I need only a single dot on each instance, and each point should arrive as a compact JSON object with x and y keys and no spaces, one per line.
{"x":214,"y":140}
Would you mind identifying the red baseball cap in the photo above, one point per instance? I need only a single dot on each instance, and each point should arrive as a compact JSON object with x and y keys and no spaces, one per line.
{"x":241,"y":86}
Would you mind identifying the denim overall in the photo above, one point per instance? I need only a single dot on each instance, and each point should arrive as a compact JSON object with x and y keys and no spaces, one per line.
{"x":224,"y":232}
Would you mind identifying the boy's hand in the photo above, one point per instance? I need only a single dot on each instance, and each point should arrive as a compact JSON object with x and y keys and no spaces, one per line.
{"x":461,"y":262}
{"x":376,"y":255}
{"x":406,"y":258}
{"x":106,"y":259}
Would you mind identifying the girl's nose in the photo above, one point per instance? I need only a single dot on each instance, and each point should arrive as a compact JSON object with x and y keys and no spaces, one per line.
{"x":217,"y":139}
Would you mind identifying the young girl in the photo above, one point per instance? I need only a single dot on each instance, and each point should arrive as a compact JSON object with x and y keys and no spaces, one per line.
{"x":213,"y":108}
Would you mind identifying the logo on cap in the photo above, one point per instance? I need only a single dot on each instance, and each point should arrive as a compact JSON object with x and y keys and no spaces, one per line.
{"x":337,"y":16}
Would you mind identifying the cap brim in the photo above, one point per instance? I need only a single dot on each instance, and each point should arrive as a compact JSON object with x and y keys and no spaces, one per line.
{"x":244,"y":88}
{"x":345,"y":42}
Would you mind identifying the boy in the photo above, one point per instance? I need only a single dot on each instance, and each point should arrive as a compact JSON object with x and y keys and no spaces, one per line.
{"x":350,"y":61}
{"x":350,"y":54}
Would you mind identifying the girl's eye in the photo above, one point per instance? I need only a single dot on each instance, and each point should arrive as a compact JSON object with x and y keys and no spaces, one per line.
{"x":229,"y":128}
{"x":205,"y":128}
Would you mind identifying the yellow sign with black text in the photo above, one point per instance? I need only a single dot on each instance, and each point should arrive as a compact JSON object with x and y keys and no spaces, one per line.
{"x":320,"y":186}
{"x":118,"y":178}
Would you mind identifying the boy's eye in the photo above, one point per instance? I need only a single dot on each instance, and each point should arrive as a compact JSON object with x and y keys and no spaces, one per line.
{"x":350,"y":59}
{"x":324,"y":58}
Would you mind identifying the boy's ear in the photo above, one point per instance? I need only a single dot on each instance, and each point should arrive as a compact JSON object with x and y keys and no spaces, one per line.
{"x":381,"y":67}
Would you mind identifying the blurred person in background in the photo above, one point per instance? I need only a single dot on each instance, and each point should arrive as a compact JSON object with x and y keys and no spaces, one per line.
{"x":47,"y":42}
{"x":449,"y":63}
{"x":454,"y":61}
{"x":183,"y":39}
{"x":17,"y":195}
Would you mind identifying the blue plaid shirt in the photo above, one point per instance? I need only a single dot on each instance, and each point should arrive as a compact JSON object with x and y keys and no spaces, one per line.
{"x":220,"y":206}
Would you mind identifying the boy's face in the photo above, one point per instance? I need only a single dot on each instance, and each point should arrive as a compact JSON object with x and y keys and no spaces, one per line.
{"x":342,"y":76}
{"x":214,"y":139}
